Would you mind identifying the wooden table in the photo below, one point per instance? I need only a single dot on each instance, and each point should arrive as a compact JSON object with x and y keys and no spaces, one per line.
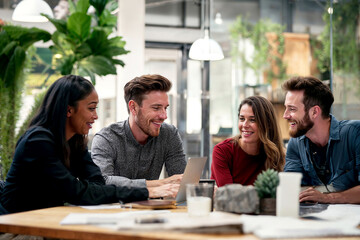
{"x":46,"y":223}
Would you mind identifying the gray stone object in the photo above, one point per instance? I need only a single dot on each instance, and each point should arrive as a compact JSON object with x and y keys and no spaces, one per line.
{"x":237,"y":198}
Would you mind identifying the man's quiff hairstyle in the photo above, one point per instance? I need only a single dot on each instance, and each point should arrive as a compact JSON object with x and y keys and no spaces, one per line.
{"x":315,"y":93}
{"x":136,"y":88}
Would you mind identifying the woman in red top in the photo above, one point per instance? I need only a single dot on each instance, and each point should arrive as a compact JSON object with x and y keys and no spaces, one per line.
{"x":258,"y":146}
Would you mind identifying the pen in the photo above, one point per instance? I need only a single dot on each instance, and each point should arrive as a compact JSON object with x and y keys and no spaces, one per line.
{"x":124,"y":205}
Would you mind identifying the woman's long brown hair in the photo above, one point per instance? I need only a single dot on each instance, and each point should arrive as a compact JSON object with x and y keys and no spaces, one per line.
{"x":269,"y":131}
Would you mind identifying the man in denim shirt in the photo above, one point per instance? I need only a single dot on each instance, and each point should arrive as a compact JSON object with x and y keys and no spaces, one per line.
{"x":324,"y":150}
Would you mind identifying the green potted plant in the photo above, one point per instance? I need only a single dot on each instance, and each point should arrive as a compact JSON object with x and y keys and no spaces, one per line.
{"x":83,"y":43}
{"x":242,"y":31}
{"x":345,"y":54}
{"x":16,"y":49}
{"x":265,"y":185}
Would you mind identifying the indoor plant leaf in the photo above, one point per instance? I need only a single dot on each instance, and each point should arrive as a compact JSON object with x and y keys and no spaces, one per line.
{"x":16,"y":63}
{"x":4,"y":39}
{"x":78,"y":25}
{"x":26,"y":36}
{"x":99,"y":65}
{"x":118,"y":62}
{"x":99,"y":5}
{"x":83,"y":50}
{"x":86,"y":72}
{"x":72,"y":7}
{"x":66,"y":65}
{"x":107,"y":19}
{"x":82,"y":6}
{"x":59,"y":24}
{"x":97,"y":41}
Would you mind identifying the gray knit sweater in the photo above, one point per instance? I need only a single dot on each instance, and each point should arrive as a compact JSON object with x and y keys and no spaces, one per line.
{"x":125,"y":162}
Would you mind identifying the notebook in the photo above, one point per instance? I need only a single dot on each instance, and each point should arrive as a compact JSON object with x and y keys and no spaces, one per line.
{"x":154,"y":204}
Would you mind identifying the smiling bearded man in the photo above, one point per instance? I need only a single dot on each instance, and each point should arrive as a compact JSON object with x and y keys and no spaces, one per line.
{"x":133,"y":152}
{"x":302,"y":126}
{"x":324,"y":150}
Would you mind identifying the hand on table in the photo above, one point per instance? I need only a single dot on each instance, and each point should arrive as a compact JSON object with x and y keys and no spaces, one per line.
{"x":312,"y":195}
{"x":166,"y":190}
{"x":174,"y":179}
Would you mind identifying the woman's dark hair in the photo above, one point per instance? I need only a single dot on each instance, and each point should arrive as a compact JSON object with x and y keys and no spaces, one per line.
{"x":64,"y":92}
{"x":269,"y":131}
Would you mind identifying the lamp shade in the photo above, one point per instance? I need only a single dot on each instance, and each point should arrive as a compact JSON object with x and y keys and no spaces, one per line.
{"x":206,"y":49}
{"x":30,"y":10}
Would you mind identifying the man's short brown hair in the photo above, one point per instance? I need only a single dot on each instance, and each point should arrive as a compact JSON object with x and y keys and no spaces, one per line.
{"x":315,"y":93}
{"x":136,"y":88}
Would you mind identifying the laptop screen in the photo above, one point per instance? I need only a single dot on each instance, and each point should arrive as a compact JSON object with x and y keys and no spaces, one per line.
{"x":192,"y":174}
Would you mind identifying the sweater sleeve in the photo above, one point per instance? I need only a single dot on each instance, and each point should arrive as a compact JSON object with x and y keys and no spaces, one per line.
{"x":104,"y":156}
{"x":220,"y":169}
{"x":175,"y":158}
{"x":80,"y":190}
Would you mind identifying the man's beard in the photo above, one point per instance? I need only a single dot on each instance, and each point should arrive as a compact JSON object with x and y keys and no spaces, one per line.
{"x":303,"y":126}
{"x":144,"y":125}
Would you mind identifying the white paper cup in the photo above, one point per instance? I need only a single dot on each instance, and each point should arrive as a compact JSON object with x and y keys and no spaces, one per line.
{"x":287,"y":194}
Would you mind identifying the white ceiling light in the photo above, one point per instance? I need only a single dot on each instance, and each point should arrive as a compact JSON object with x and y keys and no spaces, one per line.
{"x":206,"y":49}
{"x":29,"y":11}
{"x":218,"y":19}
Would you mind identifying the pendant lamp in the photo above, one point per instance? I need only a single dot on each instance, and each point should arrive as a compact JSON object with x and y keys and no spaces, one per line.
{"x":205,"y":48}
{"x":30,"y":10}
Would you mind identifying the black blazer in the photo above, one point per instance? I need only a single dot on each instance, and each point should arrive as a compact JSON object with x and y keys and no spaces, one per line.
{"x":39,"y":179}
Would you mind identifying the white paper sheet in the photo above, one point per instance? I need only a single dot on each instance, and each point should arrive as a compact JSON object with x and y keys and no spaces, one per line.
{"x":105,"y":218}
{"x":182,"y":221}
{"x":216,"y":222}
{"x":102,"y":206}
{"x":338,"y":211}
{"x":337,"y":220}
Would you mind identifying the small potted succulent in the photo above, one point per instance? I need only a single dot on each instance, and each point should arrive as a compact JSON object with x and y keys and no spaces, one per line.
{"x":265,"y":185}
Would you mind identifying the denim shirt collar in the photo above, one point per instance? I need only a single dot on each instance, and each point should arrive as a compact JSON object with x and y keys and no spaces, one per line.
{"x":334,"y":129}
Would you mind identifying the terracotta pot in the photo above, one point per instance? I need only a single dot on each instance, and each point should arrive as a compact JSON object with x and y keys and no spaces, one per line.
{"x":268,"y":206}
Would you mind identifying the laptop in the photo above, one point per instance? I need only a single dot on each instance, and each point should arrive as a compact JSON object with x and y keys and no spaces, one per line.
{"x":192,"y":174}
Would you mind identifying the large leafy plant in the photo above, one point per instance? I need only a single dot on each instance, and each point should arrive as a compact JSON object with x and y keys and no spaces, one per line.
{"x":15,"y":53}
{"x":345,"y":47}
{"x":83,"y":43}
{"x":264,"y":54}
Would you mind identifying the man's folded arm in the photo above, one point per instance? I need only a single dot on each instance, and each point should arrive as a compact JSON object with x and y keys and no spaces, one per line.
{"x":123,"y":181}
